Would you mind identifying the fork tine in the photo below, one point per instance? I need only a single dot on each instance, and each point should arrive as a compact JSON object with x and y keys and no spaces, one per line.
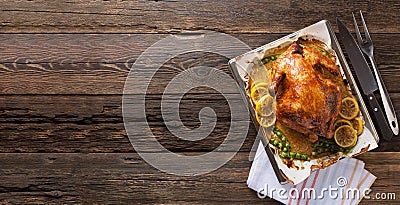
{"x":359,"y":38}
{"x":366,"y":33}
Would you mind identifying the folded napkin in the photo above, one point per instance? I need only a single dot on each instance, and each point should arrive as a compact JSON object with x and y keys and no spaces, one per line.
{"x":345,"y":182}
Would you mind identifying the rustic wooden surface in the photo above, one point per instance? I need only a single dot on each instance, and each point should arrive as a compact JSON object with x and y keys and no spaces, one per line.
{"x":63,"y":65}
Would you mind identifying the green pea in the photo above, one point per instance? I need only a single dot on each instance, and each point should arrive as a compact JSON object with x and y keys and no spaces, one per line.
{"x":319,"y":151}
{"x":284,"y":155}
{"x":285,"y":149}
{"x":272,"y":57}
{"x":298,"y":156}
{"x":341,"y":149}
{"x":287,"y":144}
{"x":280,"y":145}
{"x":346,"y":151}
{"x":276,"y":142}
{"x":284,"y":139}
{"x":326,"y":149}
{"x":279,"y":133}
{"x":292,"y":154}
{"x":313,"y":145}
{"x":304,"y":157}
{"x":326,"y":145}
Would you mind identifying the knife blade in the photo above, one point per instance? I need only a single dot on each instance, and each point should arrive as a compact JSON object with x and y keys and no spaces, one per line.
{"x":365,"y":79}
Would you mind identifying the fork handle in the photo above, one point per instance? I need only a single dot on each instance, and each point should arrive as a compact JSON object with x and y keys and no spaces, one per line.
{"x":387,"y":103}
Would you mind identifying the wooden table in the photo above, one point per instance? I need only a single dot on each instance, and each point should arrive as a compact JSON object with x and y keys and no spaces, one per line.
{"x":62,"y":70}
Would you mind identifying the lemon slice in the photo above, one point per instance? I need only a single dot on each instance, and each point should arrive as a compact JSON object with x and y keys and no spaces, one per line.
{"x":358,"y":125}
{"x":259,"y":84}
{"x":265,"y":105}
{"x":266,"y":121}
{"x":349,"y":109}
{"x":258,"y":91}
{"x":341,"y":122}
{"x":345,"y":136}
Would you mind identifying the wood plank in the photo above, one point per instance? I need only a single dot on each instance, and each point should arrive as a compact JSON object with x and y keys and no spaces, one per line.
{"x":53,"y":123}
{"x":49,"y":137}
{"x":173,"y":16}
{"x":125,"y":48}
{"x":95,"y":124}
{"x":100,"y":63}
{"x":126,"y":178}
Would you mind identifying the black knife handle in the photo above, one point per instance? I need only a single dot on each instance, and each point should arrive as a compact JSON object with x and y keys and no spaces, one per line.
{"x":378,"y":117}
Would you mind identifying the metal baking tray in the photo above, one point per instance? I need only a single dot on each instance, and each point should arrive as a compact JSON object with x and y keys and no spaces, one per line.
{"x":322,"y":31}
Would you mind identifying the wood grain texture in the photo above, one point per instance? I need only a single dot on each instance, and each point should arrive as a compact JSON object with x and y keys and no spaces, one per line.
{"x":99,"y":63}
{"x":51,"y":123}
{"x":95,"y":123}
{"x":174,"y":16}
{"x":63,"y":65}
{"x":126,"y":178}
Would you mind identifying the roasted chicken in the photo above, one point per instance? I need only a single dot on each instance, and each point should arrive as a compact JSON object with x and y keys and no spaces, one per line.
{"x":307,"y":101}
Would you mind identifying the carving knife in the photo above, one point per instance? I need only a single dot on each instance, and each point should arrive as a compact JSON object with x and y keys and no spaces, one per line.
{"x":365,"y":79}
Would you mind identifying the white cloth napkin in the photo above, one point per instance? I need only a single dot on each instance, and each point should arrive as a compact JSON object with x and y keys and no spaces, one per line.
{"x":345,"y":182}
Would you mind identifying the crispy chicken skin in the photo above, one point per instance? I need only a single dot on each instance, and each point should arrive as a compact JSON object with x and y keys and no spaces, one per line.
{"x":306,"y":101}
